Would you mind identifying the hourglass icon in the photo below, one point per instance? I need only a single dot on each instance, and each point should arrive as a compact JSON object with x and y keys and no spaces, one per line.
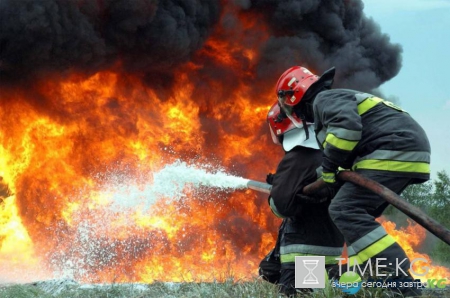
{"x":310,"y":278}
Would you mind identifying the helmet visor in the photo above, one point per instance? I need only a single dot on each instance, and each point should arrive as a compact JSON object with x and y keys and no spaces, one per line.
{"x":289,"y":111}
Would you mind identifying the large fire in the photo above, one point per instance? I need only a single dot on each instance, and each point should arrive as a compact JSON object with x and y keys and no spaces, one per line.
{"x":63,"y":155}
{"x":59,"y":168}
{"x":410,"y":238}
{"x":67,"y":145}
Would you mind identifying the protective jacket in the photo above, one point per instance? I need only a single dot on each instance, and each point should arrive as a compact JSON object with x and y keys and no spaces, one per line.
{"x":367,"y":133}
{"x":309,"y":229}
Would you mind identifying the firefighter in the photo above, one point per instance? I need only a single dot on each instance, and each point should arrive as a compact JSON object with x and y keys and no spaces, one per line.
{"x":307,"y":228}
{"x":371,"y":136}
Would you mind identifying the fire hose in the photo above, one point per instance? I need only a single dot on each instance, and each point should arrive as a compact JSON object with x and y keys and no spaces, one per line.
{"x":388,"y":195}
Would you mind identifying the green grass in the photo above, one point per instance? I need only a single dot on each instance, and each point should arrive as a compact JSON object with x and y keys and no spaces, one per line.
{"x":228,"y":289}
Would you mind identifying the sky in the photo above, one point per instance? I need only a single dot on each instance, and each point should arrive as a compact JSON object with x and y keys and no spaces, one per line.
{"x":422,"y":87}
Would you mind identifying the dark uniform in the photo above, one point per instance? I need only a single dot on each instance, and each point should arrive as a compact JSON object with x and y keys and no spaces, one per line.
{"x":380,"y":141}
{"x":307,"y":229}
{"x":270,"y":266}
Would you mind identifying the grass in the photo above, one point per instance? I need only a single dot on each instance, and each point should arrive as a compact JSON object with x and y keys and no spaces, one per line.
{"x":229,"y":289}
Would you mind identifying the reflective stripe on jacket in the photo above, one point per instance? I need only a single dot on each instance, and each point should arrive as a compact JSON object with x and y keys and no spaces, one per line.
{"x":362,"y":131}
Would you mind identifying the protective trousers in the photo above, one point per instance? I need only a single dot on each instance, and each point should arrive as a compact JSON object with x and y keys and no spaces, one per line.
{"x":354,"y":210}
{"x":270,"y":266}
{"x":313,"y":234}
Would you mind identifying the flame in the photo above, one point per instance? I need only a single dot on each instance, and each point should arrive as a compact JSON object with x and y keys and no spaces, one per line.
{"x":410,"y":238}
{"x":59,"y":165}
{"x":68,"y":145}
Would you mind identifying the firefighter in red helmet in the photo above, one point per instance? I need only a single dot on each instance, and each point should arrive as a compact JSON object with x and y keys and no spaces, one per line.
{"x":364,"y":133}
{"x":307,"y":228}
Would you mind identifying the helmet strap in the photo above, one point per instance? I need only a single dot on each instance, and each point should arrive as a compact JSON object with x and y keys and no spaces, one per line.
{"x":305,"y":126}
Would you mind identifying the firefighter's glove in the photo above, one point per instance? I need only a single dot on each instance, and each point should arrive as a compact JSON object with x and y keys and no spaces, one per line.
{"x":329,"y":171}
{"x":269,"y":178}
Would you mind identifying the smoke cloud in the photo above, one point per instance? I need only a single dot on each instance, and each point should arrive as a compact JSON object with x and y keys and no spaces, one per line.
{"x":38,"y":38}
{"x":45,"y":36}
{"x":321,"y":34}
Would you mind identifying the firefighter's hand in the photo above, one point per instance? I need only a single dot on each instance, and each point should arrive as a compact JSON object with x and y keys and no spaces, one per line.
{"x":325,"y":193}
{"x":269,"y":178}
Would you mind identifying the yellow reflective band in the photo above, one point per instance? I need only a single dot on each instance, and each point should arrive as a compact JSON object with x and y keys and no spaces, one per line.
{"x":290,"y":258}
{"x":371,"y":250}
{"x":340,"y":143}
{"x":393,"y":166}
{"x":367,"y":104}
{"x":329,"y":177}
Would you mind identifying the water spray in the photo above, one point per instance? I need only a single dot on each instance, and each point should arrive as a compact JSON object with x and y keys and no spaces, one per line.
{"x":174,"y":181}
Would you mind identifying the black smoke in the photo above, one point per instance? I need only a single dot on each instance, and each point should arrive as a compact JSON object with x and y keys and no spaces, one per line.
{"x":321,"y":34}
{"x":38,"y":37}
{"x":42,"y":37}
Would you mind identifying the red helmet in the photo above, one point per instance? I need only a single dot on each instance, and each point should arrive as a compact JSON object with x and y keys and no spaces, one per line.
{"x":279,"y":124}
{"x":292,"y":85}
